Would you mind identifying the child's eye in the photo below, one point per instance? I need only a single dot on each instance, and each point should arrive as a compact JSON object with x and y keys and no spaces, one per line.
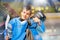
{"x":27,"y":13}
{"x":23,"y":12}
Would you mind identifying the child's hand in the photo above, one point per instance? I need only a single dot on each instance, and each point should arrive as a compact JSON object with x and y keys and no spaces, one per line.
{"x":36,"y":19}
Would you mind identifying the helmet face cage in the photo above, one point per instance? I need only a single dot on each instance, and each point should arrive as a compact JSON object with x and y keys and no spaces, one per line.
{"x":40,"y":15}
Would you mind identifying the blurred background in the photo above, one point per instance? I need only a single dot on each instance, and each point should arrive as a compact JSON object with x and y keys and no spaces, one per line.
{"x":51,"y":8}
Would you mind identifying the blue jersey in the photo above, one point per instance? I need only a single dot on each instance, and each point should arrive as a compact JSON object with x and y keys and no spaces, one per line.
{"x":36,"y":29}
{"x":18,"y":28}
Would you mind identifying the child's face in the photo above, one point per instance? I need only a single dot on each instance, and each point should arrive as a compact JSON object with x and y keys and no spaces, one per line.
{"x":25,"y":14}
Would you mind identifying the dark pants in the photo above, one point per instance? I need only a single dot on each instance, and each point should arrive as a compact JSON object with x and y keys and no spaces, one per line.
{"x":9,"y":38}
